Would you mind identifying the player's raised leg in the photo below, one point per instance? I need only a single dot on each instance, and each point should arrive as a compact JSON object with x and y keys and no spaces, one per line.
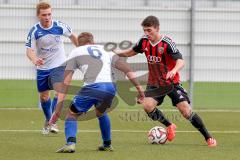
{"x":150,"y":107}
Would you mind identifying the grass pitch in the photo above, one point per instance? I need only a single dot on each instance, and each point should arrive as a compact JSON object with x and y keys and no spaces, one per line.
{"x":207,"y":95}
{"x":22,"y":121}
{"x":21,"y":137}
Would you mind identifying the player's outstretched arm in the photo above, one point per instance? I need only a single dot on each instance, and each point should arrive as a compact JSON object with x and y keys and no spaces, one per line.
{"x":33,"y":58}
{"x":62,"y":92}
{"x":122,"y":66}
{"x":126,"y":53}
{"x":74,"y":39}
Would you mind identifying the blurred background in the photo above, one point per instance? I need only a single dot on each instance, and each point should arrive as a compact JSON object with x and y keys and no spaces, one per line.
{"x":207,"y":33}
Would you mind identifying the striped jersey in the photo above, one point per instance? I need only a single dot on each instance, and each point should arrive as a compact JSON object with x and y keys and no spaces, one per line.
{"x":161,"y":58}
{"x":48,"y":44}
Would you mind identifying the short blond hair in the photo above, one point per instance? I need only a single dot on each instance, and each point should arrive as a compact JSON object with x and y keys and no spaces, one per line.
{"x":42,"y":5}
{"x":85,"y":38}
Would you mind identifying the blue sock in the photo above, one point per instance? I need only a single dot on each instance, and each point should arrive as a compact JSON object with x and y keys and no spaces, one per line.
{"x":54,"y":103}
{"x":70,"y":130}
{"x":46,"y":106}
{"x":105,"y":127}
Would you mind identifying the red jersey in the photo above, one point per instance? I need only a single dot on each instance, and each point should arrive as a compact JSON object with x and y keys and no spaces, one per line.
{"x":161,"y":58}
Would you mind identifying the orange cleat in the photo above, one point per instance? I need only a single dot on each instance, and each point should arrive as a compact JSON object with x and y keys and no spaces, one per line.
{"x":171,"y":132}
{"x":211,"y":142}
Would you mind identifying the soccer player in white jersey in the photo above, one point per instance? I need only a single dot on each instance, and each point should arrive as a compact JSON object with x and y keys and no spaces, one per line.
{"x":44,"y":47}
{"x":98,"y":90}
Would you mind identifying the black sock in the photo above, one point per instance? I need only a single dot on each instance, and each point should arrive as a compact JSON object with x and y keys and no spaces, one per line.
{"x":107,"y":143}
{"x":198,"y":123}
{"x":72,"y":139}
{"x":157,"y":115}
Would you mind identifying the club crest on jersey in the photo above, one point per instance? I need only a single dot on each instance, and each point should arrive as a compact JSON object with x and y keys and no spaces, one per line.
{"x":57,"y":39}
{"x":161,"y":50}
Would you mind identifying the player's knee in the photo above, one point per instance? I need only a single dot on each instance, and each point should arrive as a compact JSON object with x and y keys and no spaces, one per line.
{"x":56,"y":94}
{"x":185,"y":110}
{"x":72,"y":115}
{"x":148,"y":105}
{"x":99,"y":113}
{"x":187,"y":113}
{"x":44,"y":98}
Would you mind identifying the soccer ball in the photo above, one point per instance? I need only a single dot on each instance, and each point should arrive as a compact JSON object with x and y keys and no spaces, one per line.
{"x":157,"y":135}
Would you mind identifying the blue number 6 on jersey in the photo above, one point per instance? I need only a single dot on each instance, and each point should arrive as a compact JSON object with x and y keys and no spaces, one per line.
{"x":94,"y":52}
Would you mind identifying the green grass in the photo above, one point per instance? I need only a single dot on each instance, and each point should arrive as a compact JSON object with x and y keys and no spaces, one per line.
{"x":207,"y":95}
{"x":21,"y":138}
{"x":32,"y":145}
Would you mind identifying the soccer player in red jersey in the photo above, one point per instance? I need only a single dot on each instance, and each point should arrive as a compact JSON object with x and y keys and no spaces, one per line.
{"x":164,"y":63}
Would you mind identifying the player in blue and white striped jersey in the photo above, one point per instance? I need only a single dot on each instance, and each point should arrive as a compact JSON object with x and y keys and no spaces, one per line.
{"x":44,"y":47}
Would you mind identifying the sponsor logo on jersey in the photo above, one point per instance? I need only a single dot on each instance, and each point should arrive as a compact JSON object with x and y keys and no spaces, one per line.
{"x":40,"y":34}
{"x":49,"y":49}
{"x":153,"y":59}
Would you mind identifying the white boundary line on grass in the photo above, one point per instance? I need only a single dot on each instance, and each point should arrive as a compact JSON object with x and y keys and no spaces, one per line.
{"x":175,"y":110}
{"x":136,"y":110}
{"x":118,"y":130}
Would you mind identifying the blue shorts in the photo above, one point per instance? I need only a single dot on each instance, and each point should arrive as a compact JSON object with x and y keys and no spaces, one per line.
{"x":46,"y":78}
{"x":98,"y":94}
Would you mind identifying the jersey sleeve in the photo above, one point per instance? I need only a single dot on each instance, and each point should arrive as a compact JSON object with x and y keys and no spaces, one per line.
{"x":67,"y":30}
{"x":31,"y":41}
{"x":138,"y":46}
{"x":172,"y":49}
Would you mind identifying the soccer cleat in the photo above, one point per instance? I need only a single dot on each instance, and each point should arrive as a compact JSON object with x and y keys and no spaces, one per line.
{"x":211,"y":142}
{"x":105,"y":148}
{"x":53,"y":128}
{"x":45,"y":129}
{"x":68,"y":148}
{"x":171,"y":132}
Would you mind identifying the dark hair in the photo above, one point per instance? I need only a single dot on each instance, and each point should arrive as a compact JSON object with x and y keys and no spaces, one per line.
{"x":85,"y":38}
{"x":150,"y":21}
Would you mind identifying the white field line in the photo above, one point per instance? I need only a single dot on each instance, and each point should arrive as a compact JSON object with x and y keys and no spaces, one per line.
{"x":118,"y":130}
{"x":140,"y":110}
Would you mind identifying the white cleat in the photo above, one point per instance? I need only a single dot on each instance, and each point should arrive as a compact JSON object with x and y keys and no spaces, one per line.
{"x":45,"y":131}
{"x":54,"y":128}
{"x":67,"y":149}
{"x":46,"y":128}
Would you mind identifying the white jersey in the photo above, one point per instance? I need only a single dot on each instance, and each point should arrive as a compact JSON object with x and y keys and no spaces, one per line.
{"x":94,"y":62}
{"x":48,"y":44}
